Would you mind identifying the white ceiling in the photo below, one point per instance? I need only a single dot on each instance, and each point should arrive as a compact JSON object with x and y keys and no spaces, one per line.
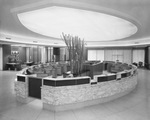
{"x":88,"y":25}
{"x":134,"y":11}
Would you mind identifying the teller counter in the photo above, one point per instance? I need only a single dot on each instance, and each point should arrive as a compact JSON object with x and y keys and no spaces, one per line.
{"x":58,"y":94}
{"x":71,"y":93}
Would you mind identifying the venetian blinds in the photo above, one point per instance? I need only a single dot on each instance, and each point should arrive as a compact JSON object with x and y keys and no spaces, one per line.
{"x":138,"y":55}
{"x":95,"y":55}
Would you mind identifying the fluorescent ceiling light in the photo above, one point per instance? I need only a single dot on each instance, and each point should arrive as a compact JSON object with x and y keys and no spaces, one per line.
{"x":89,"y":25}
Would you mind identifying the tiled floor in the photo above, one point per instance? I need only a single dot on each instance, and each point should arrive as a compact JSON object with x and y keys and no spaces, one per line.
{"x":134,"y":106}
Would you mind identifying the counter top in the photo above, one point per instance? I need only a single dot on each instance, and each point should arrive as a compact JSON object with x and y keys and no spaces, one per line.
{"x":59,"y":78}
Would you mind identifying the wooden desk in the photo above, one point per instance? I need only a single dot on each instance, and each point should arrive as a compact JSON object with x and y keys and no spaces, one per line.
{"x":29,"y":63}
{"x":13,"y":66}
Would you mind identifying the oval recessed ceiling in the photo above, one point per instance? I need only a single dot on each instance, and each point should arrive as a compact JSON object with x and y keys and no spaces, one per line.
{"x":89,"y":25}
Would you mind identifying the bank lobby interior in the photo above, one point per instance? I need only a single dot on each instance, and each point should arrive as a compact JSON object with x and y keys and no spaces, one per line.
{"x":31,"y":34}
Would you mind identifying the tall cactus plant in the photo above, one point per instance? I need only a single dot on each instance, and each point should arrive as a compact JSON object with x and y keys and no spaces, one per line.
{"x":76,"y":48}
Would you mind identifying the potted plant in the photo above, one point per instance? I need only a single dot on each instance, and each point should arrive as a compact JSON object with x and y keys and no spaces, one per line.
{"x":76,"y":48}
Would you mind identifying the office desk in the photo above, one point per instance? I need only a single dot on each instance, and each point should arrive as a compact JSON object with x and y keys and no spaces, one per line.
{"x":29,"y":63}
{"x":13,"y":66}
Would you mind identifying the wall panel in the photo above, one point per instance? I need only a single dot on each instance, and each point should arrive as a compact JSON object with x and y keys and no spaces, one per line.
{"x":100,"y":55}
{"x":121,"y":54}
{"x":127,"y":56}
{"x":31,"y":54}
{"x":22,"y":54}
{"x":138,"y":55}
{"x":108,"y":55}
{"x":39,"y":54}
{"x":1,"y":58}
{"x":117,"y":54}
{"x":97,"y":54}
{"x":27,"y":54}
{"x":67,"y":54}
{"x":6,"y":53}
{"x":91,"y":55}
{"x":43,"y":55}
{"x":35,"y":54}
{"x":49,"y":54}
{"x":62,"y":54}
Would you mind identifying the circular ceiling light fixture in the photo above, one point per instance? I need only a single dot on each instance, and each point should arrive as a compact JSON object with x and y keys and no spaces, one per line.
{"x":89,"y":25}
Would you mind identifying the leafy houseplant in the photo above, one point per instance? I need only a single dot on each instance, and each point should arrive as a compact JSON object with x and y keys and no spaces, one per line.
{"x":9,"y":59}
{"x":12,"y":58}
{"x":76,"y":48}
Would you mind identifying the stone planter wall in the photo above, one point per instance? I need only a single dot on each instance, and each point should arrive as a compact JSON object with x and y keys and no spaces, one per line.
{"x":21,"y":88}
{"x":81,"y":93}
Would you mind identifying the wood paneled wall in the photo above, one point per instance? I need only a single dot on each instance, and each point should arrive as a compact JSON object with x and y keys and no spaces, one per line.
{"x":22,"y":52}
{"x":147,"y":57}
{"x":33,"y":54}
{"x":6,"y":53}
{"x":1,"y":57}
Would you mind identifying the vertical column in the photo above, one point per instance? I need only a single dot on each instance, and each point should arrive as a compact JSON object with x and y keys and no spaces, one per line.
{"x":43,"y":55}
{"x":35,"y":54}
{"x":1,"y":58}
{"x":56,"y":52}
{"x":62,"y":54}
{"x":31,"y":55}
{"x":147,"y":57}
{"x":39,"y":54}
{"x":66,"y":54}
{"x":51,"y":51}
{"x":100,"y":55}
{"x":27,"y":54}
{"x":48,"y":54}
{"x":127,"y":56}
{"x":108,"y":55}
{"x":6,"y":53}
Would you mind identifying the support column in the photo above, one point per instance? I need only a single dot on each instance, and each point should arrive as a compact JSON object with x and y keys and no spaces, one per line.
{"x":147,"y":57}
{"x":43,"y":55}
{"x":27,"y":54}
{"x":1,"y":58}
